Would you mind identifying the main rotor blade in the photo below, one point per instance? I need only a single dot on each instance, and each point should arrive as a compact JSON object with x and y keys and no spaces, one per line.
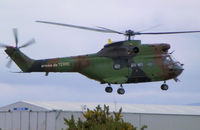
{"x":110,"y":30}
{"x":79,"y":27}
{"x":32,"y":41}
{"x":160,"y":33}
{"x":128,"y":33}
{"x":16,"y":36}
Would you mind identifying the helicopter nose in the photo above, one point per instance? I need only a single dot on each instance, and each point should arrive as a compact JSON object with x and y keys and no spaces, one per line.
{"x":178,"y":69}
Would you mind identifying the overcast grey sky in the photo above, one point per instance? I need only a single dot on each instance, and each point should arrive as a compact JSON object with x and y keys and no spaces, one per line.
{"x":56,"y":41}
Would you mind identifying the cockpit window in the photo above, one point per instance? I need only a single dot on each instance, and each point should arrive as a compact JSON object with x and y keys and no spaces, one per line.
{"x":167,"y":60}
{"x":171,"y":63}
{"x":173,"y":59}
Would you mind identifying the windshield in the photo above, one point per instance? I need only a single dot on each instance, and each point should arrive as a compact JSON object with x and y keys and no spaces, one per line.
{"x":171,"y":61}
{"x":172,"y":58}
{"x":167,"y":59}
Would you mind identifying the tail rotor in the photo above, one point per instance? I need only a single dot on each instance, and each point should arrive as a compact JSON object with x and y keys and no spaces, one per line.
{"x":15,"y":32}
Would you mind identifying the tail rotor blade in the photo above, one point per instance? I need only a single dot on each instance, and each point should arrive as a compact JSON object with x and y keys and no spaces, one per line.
{"x":8,"y":65}
{"x":16,"y":36}
{"x":32,"y":41}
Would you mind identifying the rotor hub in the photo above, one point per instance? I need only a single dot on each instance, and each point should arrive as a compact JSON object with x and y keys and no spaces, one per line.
{"x":129,"y":34}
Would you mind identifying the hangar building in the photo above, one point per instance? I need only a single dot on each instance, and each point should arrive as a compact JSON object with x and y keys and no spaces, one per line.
{"x":26,"y":115}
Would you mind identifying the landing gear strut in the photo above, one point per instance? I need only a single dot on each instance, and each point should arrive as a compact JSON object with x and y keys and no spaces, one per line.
{"x":109,"y":89}
{"x":121,"y":90}
{"x":164,"y":86}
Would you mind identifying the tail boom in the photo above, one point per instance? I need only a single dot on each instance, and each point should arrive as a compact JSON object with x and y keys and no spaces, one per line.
{"x":66,"y":64}
{"x":19,"y":58}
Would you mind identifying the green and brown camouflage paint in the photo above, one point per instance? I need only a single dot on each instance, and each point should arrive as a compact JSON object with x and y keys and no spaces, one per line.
{"x":117,"y":63}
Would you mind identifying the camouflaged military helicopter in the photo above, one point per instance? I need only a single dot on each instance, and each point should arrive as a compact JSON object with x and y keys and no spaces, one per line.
{"x":119,"y":62}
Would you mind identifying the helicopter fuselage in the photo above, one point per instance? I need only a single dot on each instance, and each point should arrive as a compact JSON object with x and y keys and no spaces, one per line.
{"x":117,"y":63}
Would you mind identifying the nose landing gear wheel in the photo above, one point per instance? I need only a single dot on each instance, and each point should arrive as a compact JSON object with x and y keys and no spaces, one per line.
{"x":164,"y":87}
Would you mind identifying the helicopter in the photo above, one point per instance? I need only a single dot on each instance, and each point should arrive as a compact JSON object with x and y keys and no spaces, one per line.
{"x":121,"y":62}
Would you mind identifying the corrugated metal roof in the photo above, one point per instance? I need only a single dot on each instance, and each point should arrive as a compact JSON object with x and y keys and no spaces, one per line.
{"x":130,"y":108}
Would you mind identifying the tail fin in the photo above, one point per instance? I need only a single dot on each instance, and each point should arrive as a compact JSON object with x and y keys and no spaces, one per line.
{"x":22,"y":61}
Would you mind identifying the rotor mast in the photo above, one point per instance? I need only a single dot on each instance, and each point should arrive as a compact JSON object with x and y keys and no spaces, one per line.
{"x":129,"y":34}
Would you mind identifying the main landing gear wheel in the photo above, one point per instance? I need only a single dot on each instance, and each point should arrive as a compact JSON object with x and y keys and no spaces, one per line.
{"x":108,"y":89}
{"x":164,"y":87}
{"x":121,"y":90}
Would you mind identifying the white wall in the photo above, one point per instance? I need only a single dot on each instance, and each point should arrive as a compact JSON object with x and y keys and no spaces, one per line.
{"x":53,"y":120}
